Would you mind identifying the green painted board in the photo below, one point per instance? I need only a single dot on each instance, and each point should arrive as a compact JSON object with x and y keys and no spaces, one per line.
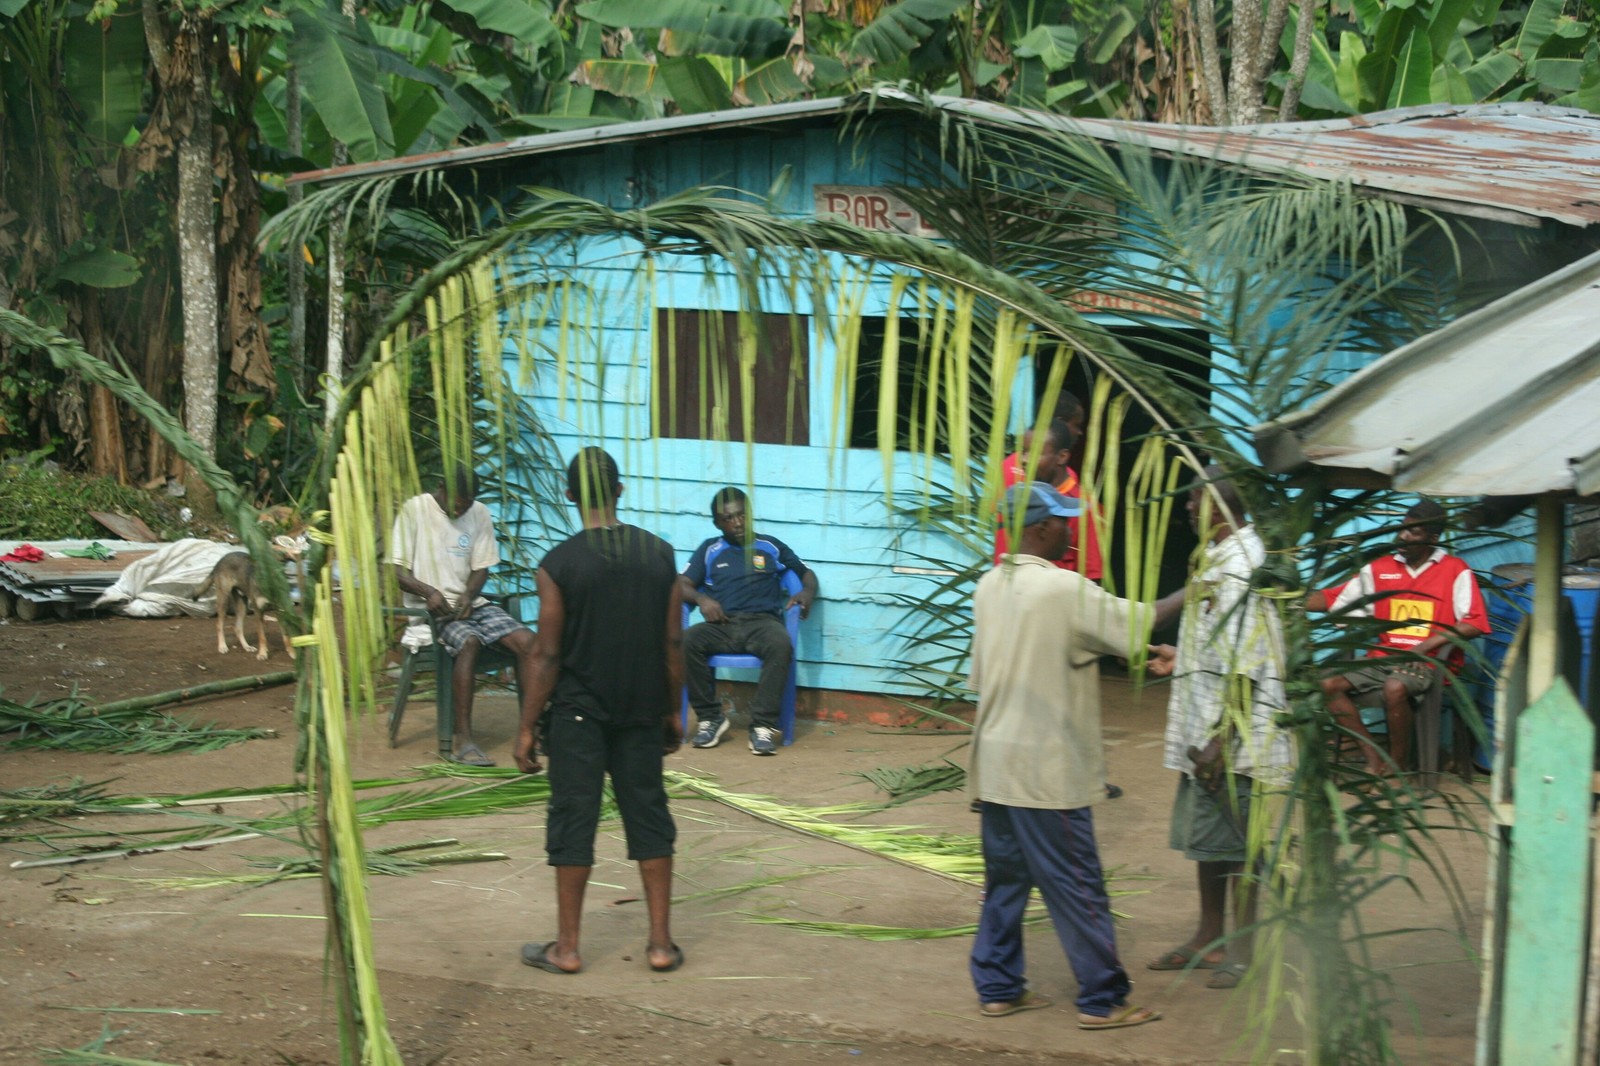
{"x":1548,"y":904}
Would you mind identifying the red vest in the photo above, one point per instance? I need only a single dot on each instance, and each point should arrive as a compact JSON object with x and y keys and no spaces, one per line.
{"x":1085,"y":561}
{"x":1426,"y":601}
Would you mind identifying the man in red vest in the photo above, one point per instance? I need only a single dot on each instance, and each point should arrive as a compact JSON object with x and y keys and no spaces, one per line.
{"x":1055,"y":468}
{"x":1428,"y":601}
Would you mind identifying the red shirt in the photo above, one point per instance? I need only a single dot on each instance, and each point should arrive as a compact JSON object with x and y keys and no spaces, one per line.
{"x":1085,"y":547}
{"x":1443,"y":592}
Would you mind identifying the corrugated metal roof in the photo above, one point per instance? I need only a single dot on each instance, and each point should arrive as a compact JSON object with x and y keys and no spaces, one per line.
{"x":1517,"y":163}
{"x":588,"y":137}
{"x":1504,"y":401}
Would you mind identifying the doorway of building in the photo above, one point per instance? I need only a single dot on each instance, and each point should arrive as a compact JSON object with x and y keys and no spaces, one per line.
{"x":1185,"y":353}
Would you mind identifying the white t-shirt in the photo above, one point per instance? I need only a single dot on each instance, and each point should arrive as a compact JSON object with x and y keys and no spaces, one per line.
{"x":442,"y":551}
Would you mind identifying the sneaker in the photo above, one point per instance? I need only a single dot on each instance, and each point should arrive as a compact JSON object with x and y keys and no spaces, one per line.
{"x":710,"y":733}
{"x":763,"y":741}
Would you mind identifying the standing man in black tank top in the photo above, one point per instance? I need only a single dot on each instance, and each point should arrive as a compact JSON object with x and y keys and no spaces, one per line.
{"x":609,"y":661}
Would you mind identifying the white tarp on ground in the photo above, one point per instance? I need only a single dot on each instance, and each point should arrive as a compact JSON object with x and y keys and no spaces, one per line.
{"x":163,"y":584}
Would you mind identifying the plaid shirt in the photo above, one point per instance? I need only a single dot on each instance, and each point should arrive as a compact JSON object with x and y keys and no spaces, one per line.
{"x":1227,"y":630}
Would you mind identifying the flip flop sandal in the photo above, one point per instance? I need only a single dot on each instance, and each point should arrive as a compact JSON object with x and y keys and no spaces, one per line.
{"x":1026,"y":1001}
{"x":677,"y":960}
{"x":1227,"y":976}
{"x":471,"y":755}
{"x":1119,"y":1018}
{"x":1182,"y":958}
{"x":538,"y":956}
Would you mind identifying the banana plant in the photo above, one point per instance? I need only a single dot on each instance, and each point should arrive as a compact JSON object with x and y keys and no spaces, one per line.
{"x":1454,"y":52}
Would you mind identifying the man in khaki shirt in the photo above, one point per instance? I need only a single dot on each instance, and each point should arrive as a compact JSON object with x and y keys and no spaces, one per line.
{"x":1037,"y":761}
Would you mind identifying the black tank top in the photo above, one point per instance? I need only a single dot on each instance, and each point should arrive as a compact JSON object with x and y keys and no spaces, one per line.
{"x":616,"y":584}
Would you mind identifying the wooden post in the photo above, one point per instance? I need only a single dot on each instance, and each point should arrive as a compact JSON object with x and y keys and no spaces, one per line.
{"x":1542,"y":983}
{"x":1510,"y":699}
{"x":1544,"y":643}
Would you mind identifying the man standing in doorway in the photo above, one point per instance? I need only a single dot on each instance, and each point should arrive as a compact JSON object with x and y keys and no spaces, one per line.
{"x":1055,"y":468}
{"x":610,"y":665}
{"x":441,"y":548}
{"x":736,"y":578}
{"x":1038,"y":761}
{"x":1222,"y":734}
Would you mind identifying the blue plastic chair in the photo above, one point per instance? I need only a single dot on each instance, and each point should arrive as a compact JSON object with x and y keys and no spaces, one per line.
{"x":791,"y":622}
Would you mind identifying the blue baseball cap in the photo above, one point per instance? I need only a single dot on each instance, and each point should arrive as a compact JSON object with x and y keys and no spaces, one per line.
{"x":1041,"y":501}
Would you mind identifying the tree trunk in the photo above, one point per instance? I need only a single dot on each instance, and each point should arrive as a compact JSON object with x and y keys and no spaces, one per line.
{"x":1244,"y":41}
{"x":1211,"y":63}
{"x":106,"y":455}
{"x":73,"y":201}
{"x":334,"y":370}
{"x":245,"y":338}
{"x":297,"y":262}
{"x":1289,"y":108}
{"x":197,"y":257}
{"x":1266,"y":59}
{"x":336,"y":235}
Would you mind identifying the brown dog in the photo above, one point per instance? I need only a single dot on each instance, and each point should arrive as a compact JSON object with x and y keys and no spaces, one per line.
{"x":234,"y":578}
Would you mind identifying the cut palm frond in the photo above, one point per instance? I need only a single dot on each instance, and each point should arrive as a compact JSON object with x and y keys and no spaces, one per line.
{"x":504,"y":790}
{"x":753,"y":885}
{"x":878,"y":933}
{"x":94,"y":1052}
{"x":386,"y":862}
{"x":956,"y":856}
{"x":906,"y":783}
{"x":72,"y":725}
{"x":54,"y":801}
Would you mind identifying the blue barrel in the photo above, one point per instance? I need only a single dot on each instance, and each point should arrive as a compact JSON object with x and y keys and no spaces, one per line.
{"x":1509,"y":599}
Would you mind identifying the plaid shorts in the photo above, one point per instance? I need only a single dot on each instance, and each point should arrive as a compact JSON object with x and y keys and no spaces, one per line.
{"x":1367,"y":678}
{"x":488,"y":623}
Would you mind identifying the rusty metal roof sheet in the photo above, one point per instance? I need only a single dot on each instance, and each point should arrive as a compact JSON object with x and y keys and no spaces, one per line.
{"x":1520,"y":162}
{"x":588,"y":137}
{"x":1501,"y":402}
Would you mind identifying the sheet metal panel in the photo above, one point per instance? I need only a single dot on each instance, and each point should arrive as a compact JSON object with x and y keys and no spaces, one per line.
{"x":1519,"y":162}
{"x":1503,"y":401}
{"x":565,"y":140}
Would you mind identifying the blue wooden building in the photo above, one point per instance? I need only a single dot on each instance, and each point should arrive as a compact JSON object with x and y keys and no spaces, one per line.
{"x":1525,"y":173}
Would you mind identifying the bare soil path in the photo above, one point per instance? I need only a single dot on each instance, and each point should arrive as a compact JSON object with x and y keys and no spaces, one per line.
{"x":75,"y":942}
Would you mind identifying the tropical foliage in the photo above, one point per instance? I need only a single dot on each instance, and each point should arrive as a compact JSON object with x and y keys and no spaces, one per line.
{"x":112,"y":231}
{"x":1400,"y":55}
{"x":110,"y":114}
{"x":1270,"y":272}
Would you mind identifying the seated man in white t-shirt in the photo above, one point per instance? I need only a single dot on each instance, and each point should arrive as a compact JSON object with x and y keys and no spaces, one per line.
{"x":442,"y":547}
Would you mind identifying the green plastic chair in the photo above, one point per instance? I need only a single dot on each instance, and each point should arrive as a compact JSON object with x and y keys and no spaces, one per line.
{"x":491,"y":659}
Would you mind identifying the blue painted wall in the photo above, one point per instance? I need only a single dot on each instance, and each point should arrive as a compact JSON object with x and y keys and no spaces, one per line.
{"x":825,"y":501}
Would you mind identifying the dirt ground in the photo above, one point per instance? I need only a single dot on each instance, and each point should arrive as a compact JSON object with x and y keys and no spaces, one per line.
{"x":77,"y":941}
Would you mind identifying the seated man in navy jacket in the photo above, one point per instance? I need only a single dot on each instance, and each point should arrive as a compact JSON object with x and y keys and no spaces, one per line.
{"x":736,"y":579}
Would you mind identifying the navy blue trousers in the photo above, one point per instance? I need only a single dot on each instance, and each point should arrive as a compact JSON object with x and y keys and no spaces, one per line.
{"x":1055,"y":851}
{"x":761,"y":635}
